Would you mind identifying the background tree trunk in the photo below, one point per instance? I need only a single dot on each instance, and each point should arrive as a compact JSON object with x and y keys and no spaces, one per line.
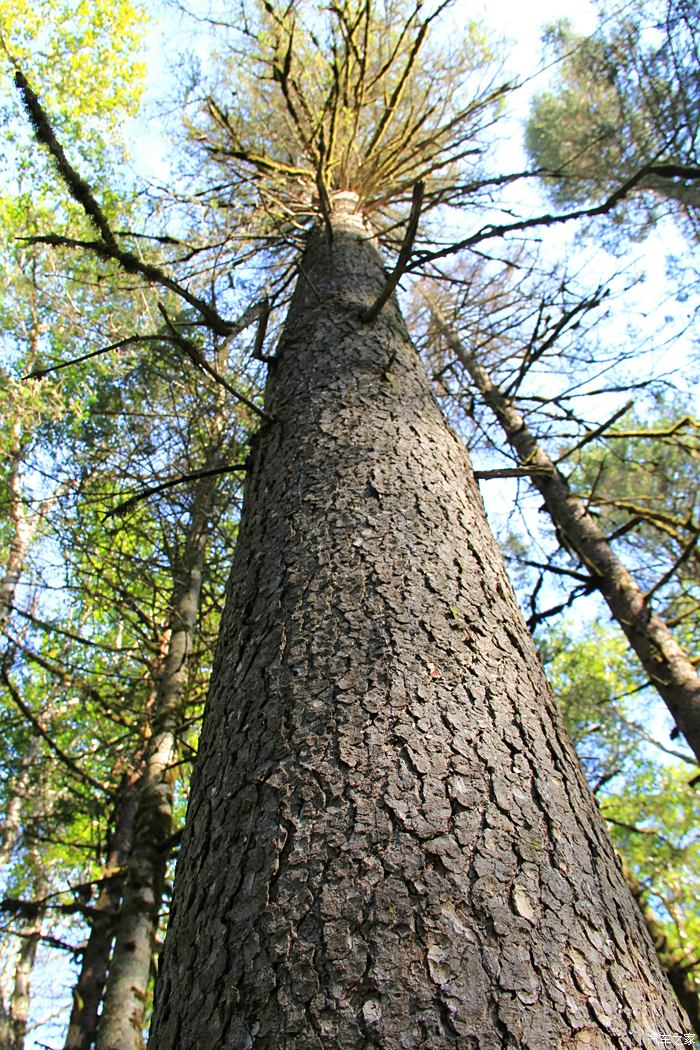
{"x":121,"y":1022}
{"x":669,"y":668}
{"x":89,"y":988}
{"x":390,"y":841}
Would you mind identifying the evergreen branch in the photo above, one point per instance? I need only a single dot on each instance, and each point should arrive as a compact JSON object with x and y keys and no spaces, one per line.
{"x":195,"y":475}
{"x":402,"y":262}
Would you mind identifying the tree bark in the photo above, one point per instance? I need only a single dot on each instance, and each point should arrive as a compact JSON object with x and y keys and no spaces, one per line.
{"x":669,"y":669}
{"x":89,"y":988}
{"x":19,"y":1006}
{"x":390,"y":842}
{"x":14,"y":1004}
{"x":22,"y":529}
{"x":121,"y":1021}
{"x":10,"y":827}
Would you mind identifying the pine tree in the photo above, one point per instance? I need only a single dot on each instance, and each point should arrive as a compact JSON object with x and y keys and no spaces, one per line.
{"x":389,"y":840}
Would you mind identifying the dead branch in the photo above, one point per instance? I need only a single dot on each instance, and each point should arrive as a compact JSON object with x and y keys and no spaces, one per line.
{"x":402,"y":262}
{"x":195,"y":475}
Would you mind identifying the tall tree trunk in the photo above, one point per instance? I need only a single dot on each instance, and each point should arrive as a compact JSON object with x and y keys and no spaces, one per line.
{"x":15,"y":997}
{"x":390,"y":842}
{"x":89,"y":988}
{"x":669,"y":669}
{"x":121,"y":1022}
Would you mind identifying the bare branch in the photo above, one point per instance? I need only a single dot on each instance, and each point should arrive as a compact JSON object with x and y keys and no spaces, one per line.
{"x":260,"y":333}
{"x":77,"y":187}
{"x":198,"y":359}
{"x":402,"y":262}
{"x":500,"y":230}
{"x":509,"y":472}
{"x":195,"y":475}
{"x":593,"y":434}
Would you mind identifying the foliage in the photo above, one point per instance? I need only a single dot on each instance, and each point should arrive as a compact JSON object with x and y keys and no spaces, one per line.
{"x":84,"y":55}
{"x":645,"y":794}
{"x":641,"y":478}
{"x":623,"y":98}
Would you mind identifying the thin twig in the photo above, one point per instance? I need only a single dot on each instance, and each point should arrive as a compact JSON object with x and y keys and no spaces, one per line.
{"x":670,"y":573}
{"x":500,"y":230}
{"x":593,"y":434}
{"x":39,"y":727}
{"x":130,"y":340}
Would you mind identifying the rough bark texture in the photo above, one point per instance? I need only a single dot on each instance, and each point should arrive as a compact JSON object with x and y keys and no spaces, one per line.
{"x":669,"y":668}
{"x":390,"y":843}
{"x":121,"y":1021}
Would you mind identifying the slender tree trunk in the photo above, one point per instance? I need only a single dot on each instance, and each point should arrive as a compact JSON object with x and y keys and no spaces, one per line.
{"x":89,"y":988}
{"x":16,"y":980}
{"x":390,"y":842}
{"x":121,"y":1023}
{"x":19,"y":1004}
{"x":22,"y":526}
{"x":669,"y":669}
{"x":9,"y":830}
